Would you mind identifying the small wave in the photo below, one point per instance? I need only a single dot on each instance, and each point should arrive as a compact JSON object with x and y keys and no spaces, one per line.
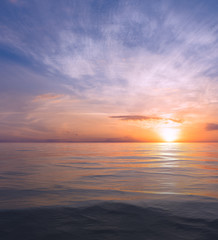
{"x":103,"y":221}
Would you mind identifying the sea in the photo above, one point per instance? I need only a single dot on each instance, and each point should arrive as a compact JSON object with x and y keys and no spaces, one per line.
{"x":102,"y":191}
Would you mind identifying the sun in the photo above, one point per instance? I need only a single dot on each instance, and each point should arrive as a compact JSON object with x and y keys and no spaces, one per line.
{"x":169,"y":134}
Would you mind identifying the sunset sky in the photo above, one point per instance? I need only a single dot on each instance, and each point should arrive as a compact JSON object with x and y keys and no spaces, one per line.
{"x":106,"y":70}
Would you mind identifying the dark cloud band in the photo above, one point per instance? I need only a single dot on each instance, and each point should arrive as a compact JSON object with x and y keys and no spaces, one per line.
{"x":142,"y":118}
{"x":212,"y":126}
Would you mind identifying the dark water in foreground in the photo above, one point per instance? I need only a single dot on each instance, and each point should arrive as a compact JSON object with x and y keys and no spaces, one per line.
{"x":109,"y":191}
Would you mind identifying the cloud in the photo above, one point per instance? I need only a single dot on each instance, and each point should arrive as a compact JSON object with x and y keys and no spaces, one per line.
{"x":134,"y":118}
{"x":48,"y":96}
{"x":143,"y":118}
{"x":211,"y":127}
{"x":13,"y":1}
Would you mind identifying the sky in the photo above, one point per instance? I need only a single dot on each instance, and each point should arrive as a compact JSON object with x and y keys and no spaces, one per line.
{"x":108,"y":70}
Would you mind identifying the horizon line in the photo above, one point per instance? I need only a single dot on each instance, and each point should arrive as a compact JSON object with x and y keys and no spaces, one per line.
{"x":65,"y":141}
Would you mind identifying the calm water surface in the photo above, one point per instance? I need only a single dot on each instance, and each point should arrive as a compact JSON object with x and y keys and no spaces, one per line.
{"x":130,"y":178}
{"x":44,"y":174}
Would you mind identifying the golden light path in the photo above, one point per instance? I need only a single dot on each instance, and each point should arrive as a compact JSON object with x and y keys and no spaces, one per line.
{"x":169,"y":134}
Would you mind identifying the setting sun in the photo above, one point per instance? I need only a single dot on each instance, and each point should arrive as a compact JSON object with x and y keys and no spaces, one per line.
{"x":169,"y":134}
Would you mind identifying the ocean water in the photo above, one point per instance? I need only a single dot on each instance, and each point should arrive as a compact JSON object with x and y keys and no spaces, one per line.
{"x":108,"y":191}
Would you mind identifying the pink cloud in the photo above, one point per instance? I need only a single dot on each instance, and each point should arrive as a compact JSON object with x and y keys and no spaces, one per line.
{"x":48,"y":96}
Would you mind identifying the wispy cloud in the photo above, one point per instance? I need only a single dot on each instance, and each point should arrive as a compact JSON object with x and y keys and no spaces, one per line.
{"x":135,"y":118}
{"x":48,"y":96}
{"x":143,"y":118}
{"x":13,"y":1}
